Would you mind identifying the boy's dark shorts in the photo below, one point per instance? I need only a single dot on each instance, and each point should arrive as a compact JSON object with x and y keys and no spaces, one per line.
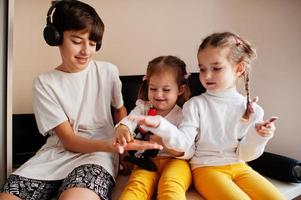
{"x":93,"y":177}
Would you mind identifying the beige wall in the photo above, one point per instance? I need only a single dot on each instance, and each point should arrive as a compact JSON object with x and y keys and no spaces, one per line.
{"x":139,"y":30}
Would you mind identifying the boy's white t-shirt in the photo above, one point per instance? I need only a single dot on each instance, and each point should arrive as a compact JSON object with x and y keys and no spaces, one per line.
{"x":84,"y":99}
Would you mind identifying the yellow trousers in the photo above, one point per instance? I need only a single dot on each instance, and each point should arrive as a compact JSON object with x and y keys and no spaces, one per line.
{"x":171,"y":181}
{"x":237,"y":181}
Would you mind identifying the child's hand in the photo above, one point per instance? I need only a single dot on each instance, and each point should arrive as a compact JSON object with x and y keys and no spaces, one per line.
{"x":142,"y":145}
{"x":150,"y":121}
{"x":266,"y":128}
{"x":156,"y":139}
{"x":136,"y":145}
{"x":122,"y":135}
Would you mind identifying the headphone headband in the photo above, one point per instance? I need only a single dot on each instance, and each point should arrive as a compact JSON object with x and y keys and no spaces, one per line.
{"x":50,"y":10}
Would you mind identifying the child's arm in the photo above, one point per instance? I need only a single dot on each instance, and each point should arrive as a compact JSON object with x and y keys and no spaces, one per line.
{"x":122,"y":132}
{"x":75,"y":143}
{"x":157,"y":139}
{"x":119,"y":114}
{"x":180,"y":138}
{"x":252,"y":145}
{"x":160,"y":126}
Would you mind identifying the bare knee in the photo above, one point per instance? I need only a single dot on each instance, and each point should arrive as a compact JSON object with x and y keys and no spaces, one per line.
{"x":77,"y":193}
{"x":8,"y":196}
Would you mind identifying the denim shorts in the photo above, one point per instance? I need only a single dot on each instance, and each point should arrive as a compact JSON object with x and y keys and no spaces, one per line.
{"x":90,"y":176}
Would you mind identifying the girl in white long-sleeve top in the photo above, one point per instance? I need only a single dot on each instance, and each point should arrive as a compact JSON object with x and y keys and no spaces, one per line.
{"x":226,"y":128}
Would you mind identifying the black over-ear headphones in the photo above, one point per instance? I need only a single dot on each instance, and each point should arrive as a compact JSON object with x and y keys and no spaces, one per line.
{"x":51,"y":34}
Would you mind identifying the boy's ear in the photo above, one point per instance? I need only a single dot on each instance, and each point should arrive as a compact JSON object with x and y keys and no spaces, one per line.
{"x":240,"y":68}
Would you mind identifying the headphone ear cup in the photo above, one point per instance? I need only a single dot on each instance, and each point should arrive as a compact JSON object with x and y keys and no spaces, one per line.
{"x":52,"y":36}
{"x":98,"y":45}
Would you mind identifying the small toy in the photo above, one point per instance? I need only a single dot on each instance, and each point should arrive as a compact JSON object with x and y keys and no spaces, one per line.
{"x":142,"y":158}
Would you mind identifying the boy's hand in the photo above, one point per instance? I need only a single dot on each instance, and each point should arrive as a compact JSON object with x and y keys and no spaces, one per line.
{"x":266,"y":128}
{"x":136,"y":145}
{"x":122,"y":135}
{"x":142,"y":145}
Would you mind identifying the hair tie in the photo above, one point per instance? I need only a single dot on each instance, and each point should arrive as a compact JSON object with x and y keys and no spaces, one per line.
{"x":144,"y":78}
{"x":186,"y":76}
{"x":250,"y":107}
{"x":238,"y":41}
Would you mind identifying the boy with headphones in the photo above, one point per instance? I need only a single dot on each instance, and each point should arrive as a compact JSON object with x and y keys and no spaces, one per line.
{"x":72,"y":105}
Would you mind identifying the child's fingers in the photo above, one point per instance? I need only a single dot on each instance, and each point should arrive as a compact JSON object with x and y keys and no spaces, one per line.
{"x":124,"y":138}
{"x":265,"y":129}
{"x":122,"y":141}
{"x":151,"y":121}
{"x":119,"y":140}
{"x":261,"y":126}
{"x":265,"y":132}
{"x":272,"y":119}
{"x":118,"y":147}
{"x":155,"y":139}
{"x":128,"y":137}
{"x":138,"y":118}
{"x":142,"y":145}
{"x":115,"y":140}
{"x":269,"y":122}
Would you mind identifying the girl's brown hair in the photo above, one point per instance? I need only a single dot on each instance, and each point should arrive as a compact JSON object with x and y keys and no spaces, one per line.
{"x":162,"y":63}
{"x":240,"y":51}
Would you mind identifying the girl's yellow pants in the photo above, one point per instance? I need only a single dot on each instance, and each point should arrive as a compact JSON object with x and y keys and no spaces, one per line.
{"x":170,"y":181}
{"x":236,"y":181}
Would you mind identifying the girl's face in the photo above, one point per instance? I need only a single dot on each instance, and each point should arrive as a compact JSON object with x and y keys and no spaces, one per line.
{"x":217,"y":73}
{"x":163,"y":91}
{"x":76,"y":50}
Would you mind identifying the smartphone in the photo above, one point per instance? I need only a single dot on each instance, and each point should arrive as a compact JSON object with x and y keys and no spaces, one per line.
{"x":272,"y":119}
